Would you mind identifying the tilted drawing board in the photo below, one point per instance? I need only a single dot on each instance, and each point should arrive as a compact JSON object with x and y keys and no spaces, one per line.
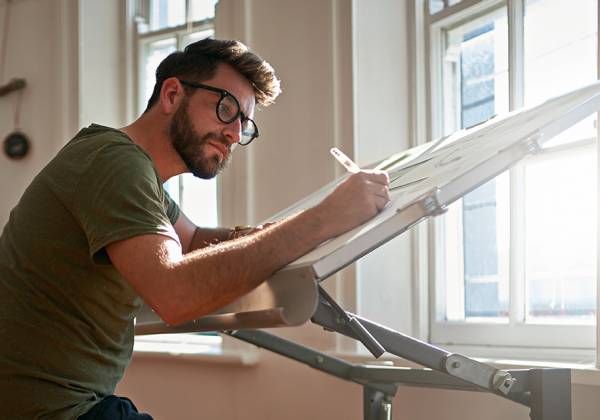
{"x":424,"y":180}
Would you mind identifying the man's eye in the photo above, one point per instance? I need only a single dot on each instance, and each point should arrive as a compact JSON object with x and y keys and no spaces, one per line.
{"x":226,"y":110}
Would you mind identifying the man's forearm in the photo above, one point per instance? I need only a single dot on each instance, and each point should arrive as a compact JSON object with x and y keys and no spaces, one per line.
{"x":204,"y":237}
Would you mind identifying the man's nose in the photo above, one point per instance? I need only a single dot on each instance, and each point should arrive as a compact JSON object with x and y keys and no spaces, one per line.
{"x":233,"y":131}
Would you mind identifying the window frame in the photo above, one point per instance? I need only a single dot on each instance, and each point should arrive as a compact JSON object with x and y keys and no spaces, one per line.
{"x":137,"y":16}
{"x":514,"y":333}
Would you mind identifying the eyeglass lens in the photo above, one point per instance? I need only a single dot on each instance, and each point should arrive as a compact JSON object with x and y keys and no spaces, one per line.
{"x":228,"y":110}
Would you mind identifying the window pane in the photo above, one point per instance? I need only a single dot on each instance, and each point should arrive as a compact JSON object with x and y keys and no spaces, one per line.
{"x":560,"y":60}
{"x":173,"y":187}
{"x":199,"y":200}
{"x":153,"y":54}
{"x":476,"y":253}
{"x":485,"y":245}
{"x":475,"y":79}
{"x":435,"y":6}
{"x":560,"y":47}
{"x":475,"y":72}
{"x":197,"y":36}
{"x":560,"y":205}
{"x":166,"y":13}
{"x":560,"y":220}
{"x":202,"y":9}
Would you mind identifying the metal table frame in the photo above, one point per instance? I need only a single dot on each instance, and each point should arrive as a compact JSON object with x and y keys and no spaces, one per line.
{"x":547,"y":392}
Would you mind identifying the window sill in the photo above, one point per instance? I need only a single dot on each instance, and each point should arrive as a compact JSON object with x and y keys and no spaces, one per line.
{"x":581,"y":373}
{"x":531,"y":356}
{"x":580,"y":361}
{"x":212,"y":349}
{"x":234,"y":358}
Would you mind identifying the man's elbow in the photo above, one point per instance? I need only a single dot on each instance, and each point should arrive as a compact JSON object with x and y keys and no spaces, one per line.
{"x":170,"y":313}
{"x":174,"y":311}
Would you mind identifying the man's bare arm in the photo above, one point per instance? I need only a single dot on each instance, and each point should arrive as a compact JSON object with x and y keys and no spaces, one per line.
{"x":194,"y":237}
{"x":183,"y":287}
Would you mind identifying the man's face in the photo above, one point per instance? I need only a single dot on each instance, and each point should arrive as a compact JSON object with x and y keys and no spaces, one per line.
{"x":202,"y":141}
{"x":191,"y":145}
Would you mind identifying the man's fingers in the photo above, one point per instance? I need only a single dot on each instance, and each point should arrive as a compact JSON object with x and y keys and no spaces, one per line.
{"x":380,"y":190}
{"x":380,"y":202}
{"x":383,"y":192}
{"x":382,"y":196}
{"x":379,"y":177}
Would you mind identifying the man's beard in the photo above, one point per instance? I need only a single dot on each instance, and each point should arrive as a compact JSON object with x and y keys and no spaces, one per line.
{"x":188,"y":144}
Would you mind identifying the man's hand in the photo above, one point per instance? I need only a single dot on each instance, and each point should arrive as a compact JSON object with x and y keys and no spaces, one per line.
{"x":356,"y":200}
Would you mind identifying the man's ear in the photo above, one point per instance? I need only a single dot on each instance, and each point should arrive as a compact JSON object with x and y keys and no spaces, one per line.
{"x":171,"y":94}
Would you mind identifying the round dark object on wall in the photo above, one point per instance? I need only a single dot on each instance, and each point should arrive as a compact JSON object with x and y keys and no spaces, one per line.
{"x":16,"y":145}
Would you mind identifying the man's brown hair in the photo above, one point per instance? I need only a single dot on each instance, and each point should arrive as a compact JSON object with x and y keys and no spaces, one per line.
{"x":199,"y":61}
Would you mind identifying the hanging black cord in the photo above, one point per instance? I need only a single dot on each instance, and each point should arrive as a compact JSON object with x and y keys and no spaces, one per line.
{"x":17,"y":118}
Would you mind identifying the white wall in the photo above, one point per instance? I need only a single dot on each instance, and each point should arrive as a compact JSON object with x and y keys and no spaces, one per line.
{"x":382,"y":121}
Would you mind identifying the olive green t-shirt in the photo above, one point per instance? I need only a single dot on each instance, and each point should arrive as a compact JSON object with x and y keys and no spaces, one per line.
{"x":66,"y":314}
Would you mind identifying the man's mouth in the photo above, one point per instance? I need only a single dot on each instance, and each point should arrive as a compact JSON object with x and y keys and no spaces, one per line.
{"x":221,"y":148}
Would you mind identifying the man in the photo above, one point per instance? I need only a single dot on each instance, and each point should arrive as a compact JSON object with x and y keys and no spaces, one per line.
{"x":95,"y":233}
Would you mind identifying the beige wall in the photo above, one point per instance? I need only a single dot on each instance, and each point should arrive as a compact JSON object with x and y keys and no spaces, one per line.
{"x":310,"y":43}
{"x":73,"y":78}
{"x":42,"y":48}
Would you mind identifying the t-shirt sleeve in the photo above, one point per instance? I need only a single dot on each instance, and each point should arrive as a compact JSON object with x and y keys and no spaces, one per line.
{"x":121,"y":196}
{"x":172,"y":208}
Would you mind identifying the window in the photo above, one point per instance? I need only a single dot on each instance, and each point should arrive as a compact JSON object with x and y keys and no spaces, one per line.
{"x":164,"y":26}
{"x":516,"y":258}
{"x":475,"y":77}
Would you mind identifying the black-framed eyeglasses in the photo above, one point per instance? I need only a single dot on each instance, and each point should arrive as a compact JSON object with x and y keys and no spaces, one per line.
{"x":228,"y":110}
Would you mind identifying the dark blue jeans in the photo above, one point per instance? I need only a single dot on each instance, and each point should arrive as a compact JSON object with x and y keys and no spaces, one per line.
{"x":114,"y":408}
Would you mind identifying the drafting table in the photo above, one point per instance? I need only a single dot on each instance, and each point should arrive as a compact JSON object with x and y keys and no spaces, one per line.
{"x":424,"y":181}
